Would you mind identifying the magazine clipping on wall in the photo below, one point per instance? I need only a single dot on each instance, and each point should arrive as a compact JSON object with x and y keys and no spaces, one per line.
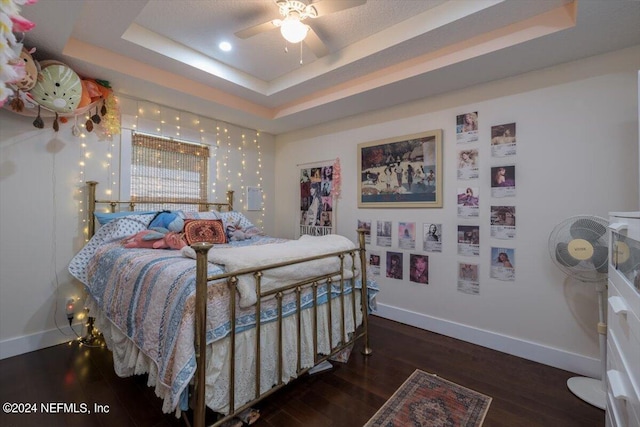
{"x":503,"y":264}
{"x":467,"y":128}
{"x":503,"y":140}
{"x":468,"y":202}
{"x":468,"y":164}
{"x":432,"y":237}
{"x":384,"y":233}
{"x":394,"y":265}
{"x":468,"y":278}
{"x":316,"y":200}
{"x":503,"y":222}
{"x":503,"y":181}
{"x":469,"y":240}
{"x":419,"y":268}
{"x":407,"y":235}
{"x":365,"y":224}
{"x":374,"y":263}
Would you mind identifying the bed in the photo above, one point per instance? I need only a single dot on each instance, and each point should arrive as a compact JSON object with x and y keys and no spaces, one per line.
{"x":225,"y":325}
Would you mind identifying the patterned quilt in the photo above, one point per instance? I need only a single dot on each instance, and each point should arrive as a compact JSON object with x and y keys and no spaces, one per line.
{"x":149,"y":295}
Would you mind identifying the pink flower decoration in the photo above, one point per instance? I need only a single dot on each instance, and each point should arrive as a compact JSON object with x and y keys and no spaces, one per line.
{"x":21,"y":24}
{"x":337,"y":178}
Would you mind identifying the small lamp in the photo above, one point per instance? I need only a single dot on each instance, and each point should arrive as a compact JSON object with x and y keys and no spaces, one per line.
{"x":293,"y":30}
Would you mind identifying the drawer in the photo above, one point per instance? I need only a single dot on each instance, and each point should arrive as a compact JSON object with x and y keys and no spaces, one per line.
{"x":623,"y":403}
{"x":625,"y":290}
{"x":613,"y":417}
{"x":624,"y":326}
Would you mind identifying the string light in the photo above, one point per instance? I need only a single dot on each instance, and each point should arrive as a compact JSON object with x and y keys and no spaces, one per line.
{"x":264,"y":196}
{"x":83,"y":150}
{"x":234,"y":157}
{"x":244,"y":165}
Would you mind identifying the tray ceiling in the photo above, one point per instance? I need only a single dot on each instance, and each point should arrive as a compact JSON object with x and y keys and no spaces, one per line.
{"x":381,"y":53}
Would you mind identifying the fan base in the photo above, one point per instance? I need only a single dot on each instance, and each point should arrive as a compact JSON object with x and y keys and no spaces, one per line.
{"x":590,"y":390}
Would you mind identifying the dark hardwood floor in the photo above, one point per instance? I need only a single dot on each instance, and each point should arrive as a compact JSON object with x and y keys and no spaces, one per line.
{"x":524,"y":393}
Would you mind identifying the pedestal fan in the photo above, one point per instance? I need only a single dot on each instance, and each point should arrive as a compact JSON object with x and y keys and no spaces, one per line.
{"x":578,"y":246}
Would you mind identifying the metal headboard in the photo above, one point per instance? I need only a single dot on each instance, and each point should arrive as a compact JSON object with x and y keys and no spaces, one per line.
{"x":228,"y":205}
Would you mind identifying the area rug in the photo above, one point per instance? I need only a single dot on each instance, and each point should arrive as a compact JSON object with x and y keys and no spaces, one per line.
{"x":426,"y":400}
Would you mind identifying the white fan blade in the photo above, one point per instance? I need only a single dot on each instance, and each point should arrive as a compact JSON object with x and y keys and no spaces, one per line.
{"x":325,"y":7}
{"x":257,"y":29}
{"x":316,"y":45}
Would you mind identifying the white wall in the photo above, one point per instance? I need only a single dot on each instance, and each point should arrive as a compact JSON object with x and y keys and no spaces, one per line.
{"x":577,"y":153}
{"x":42,"y":191}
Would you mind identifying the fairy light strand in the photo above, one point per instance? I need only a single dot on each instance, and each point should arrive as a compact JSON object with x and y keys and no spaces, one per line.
{"x":234,"y":158}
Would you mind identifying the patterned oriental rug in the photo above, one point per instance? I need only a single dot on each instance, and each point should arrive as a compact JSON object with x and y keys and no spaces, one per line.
{"x":425,"y":400}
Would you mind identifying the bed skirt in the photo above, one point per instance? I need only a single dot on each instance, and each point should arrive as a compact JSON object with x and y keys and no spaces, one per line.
{"x":129,"y":360}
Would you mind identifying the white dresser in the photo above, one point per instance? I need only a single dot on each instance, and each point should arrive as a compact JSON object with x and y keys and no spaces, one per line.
{"x":623,"y":321}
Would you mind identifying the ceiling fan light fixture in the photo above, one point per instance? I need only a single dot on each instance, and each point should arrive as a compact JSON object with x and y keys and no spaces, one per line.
{"x":293,"y":30}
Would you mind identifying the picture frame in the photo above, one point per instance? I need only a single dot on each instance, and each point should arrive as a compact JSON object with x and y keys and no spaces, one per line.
{"x":401,"y":172}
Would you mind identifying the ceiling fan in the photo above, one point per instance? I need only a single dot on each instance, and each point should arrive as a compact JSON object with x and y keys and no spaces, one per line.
{"x":293,"y":12}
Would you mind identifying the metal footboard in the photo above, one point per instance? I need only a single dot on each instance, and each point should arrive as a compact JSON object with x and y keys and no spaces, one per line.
{"x":198,"y":392}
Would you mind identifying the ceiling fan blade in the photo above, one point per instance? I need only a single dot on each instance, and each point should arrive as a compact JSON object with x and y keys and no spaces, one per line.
{"x":257,"y":29}
{"x":325,"y":7}
{"x":316,"y":45}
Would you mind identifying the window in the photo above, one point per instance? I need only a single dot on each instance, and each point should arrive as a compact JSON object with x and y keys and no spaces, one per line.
{"x":168,"y":170}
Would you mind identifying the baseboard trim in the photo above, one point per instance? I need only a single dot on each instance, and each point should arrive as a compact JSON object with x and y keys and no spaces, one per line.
{"x":560,"y":359}
{"x":37,"y":341}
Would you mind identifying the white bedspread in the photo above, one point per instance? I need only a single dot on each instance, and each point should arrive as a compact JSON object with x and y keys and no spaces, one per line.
{"x":239,"y":258}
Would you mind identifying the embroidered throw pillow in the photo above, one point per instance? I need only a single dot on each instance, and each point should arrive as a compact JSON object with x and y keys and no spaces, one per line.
{"x":204,"y":230}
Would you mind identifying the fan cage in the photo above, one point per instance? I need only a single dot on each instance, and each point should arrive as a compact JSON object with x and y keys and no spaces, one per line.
{"x":592,"y":228}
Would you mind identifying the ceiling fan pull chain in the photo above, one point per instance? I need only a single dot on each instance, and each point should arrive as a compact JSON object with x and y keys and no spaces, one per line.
{"x":300,"y":53}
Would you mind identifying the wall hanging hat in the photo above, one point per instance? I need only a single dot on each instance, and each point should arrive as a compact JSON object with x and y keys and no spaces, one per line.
{"x":58,"y":89}
{"x":31,"y":69}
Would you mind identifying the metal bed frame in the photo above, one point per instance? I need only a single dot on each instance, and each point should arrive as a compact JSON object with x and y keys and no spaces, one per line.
{"x":197,"y":388}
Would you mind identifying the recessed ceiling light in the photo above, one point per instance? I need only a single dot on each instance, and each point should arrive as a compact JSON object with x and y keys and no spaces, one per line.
{"x":225,"y":46}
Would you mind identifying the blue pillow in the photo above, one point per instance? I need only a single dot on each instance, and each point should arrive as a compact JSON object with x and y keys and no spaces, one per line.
{"x":106,"y":217}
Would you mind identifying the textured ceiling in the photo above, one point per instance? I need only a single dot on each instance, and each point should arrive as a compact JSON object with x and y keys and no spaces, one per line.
{"x":381,"y":53}
{"x":263,"y":56}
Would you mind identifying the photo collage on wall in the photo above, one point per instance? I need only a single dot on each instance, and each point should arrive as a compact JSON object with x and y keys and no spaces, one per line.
{"x":502,"y":172}
{"x":412,"y":266}
{"x":503,"y":187}
{"x":401,"y":256}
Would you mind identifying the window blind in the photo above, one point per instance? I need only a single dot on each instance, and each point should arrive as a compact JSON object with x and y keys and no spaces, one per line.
{"x":168,"y":170}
